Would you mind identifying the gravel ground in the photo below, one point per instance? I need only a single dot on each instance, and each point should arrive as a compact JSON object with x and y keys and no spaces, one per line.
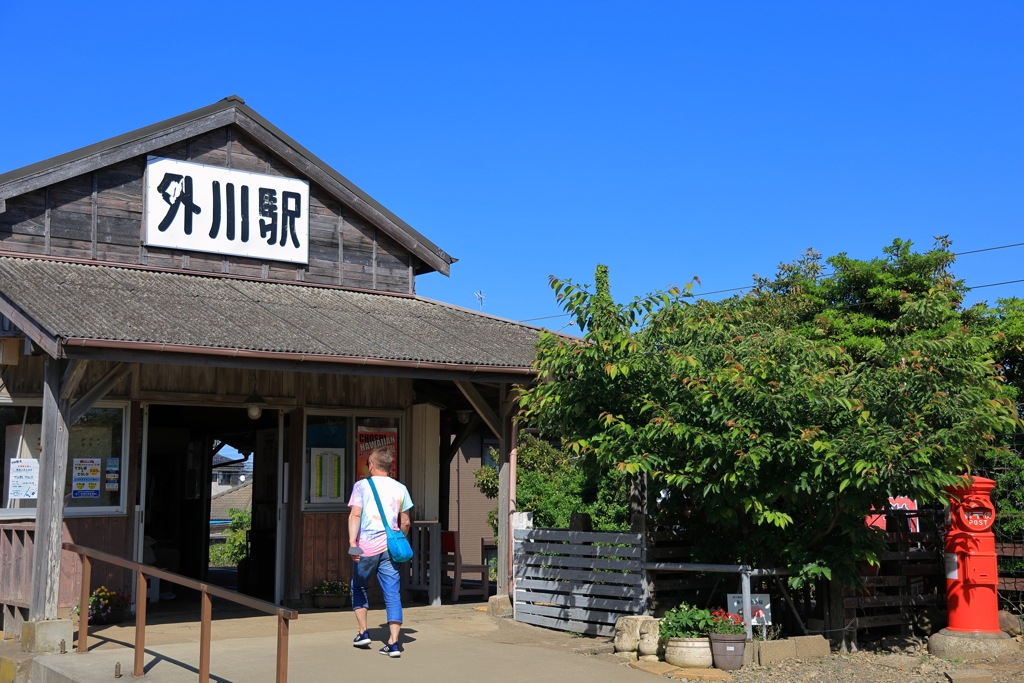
{"x":891,"y":660}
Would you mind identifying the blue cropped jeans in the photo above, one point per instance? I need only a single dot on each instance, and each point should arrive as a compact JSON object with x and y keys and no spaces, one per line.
{"x":387,"y":577}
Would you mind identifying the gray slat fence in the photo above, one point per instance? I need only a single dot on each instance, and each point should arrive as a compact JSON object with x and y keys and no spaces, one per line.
{"x":579,"y":581}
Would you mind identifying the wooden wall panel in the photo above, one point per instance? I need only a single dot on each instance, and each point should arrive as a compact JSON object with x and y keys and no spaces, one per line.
{"x":108,"y":227}
{"x":23,"y":225}
{"x":324,"y":548}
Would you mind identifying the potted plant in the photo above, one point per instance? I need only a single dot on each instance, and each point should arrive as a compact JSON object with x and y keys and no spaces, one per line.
{"x":728,"y":639}
{"x":684,"y":629}
{"x":105,"y":606}
{"x":329,"y":594}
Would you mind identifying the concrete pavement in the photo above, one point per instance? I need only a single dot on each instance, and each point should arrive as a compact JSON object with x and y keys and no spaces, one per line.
{"x":450,"y":644}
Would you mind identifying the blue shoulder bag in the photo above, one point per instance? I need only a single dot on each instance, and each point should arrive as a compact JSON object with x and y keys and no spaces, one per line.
{"x":398,"y":544}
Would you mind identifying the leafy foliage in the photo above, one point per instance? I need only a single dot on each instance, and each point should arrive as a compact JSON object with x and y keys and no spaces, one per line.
{"x":779,"y":418}
{"x":235,"y":548}
{"x":104,"y":603}
{"x":552,"y":484}
{"x":685,"y":621}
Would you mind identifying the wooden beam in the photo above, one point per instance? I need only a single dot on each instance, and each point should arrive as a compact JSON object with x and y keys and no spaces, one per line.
{"x":100,"y":389}
{"x":318,"y":367}
{"x":73,"y":374}
{"x":117,"y":153}
{"x":46,"y":341}
{"x":480,"y":406}
{"x":460,"y":438}
{"x":504,"y":497}
{"x":50,"y":509}
{"x":340,"y":191}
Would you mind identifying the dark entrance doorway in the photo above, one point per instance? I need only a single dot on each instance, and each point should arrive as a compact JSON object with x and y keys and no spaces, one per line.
{"x":199,"y":455}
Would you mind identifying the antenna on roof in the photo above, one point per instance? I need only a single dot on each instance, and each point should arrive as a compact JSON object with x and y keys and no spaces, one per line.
{"x":480,"y":298}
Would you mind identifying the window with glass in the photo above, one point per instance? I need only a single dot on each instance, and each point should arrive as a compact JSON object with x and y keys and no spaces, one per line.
{"x":96,"y":468}
{"x":337,"y":453}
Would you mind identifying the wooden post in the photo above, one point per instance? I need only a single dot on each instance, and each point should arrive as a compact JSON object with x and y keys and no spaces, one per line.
{"x":140,"y":625}
{"x":504,"y":537}
{"x":282,"y":650}
{"x":83,"y":605}
{"x":204,"y":637}
{"x":50,"y":512}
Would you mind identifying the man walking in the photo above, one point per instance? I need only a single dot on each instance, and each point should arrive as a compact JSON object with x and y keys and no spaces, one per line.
{"x":369,"y":545}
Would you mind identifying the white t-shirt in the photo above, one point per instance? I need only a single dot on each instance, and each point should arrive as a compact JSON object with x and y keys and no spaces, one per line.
{"x":394,"y":497}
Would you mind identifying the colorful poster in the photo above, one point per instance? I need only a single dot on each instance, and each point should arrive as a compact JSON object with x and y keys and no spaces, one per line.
{"x":85,"y":477}
{"x":375,"y":437}
{"x":326,"y":483}
{"x":113,"y":475}
{"x":23,"y":482}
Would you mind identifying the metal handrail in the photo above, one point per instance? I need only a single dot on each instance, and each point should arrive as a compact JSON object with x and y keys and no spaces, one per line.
{"x":142,"y":571}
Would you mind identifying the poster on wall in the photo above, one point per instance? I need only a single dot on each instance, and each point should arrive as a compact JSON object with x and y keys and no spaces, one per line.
{"x":760,"y":607}
{"x":225,"y":211}
{"x":371,"y":438}
{"x":113,"y":475}
{"x":326,"y":475}
{"x":23,"y":482}
{"x":85,"y":477}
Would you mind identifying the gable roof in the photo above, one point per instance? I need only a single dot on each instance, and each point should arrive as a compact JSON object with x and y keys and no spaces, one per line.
{"x":229,"y":111}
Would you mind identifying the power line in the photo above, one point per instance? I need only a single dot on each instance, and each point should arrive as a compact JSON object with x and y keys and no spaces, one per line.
{"x":843,"y":272}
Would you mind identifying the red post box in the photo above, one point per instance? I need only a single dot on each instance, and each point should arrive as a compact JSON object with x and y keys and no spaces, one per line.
{"x":972,"y":576}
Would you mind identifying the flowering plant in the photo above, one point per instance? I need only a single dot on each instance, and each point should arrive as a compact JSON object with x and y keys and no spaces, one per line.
{"x":329,"y":587}
{"x":726,"y":623}
{"x":103,"y":602}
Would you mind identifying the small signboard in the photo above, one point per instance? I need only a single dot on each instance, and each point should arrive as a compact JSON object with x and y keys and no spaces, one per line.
{"x":23,"y":481}
{"x":224,"y":211}
{"x":760,"y":607}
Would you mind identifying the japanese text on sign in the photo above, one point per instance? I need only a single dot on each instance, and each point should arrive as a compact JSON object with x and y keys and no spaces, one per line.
{"x":220,"y":210}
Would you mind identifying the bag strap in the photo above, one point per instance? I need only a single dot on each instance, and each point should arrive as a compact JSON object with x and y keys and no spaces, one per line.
{"x":380,"y":508}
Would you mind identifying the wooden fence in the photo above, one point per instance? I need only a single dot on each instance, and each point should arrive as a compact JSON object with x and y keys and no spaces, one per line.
{"x":580,"y":581}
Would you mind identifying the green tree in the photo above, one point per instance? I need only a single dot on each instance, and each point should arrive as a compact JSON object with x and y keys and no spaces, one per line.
{"x":780,"y":417}
{"x":235,"y":548}
{"x":552,"y":484}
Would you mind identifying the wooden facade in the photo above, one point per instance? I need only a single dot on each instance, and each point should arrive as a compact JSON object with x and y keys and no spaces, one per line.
{"x":88,"y":208}
{"x":98,"y":217}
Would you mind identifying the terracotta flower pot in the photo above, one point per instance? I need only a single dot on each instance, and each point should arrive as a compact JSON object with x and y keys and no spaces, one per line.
{"x":689,"y":653}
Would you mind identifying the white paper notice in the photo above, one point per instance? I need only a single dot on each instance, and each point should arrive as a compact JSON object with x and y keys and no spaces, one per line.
{"x":24,"y":479}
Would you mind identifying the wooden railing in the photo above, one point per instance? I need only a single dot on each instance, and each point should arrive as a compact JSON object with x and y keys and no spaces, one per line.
{"x":207,"y":591}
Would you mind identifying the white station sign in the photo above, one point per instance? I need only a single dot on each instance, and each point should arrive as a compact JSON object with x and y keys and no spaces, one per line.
{"x":223,"y":211}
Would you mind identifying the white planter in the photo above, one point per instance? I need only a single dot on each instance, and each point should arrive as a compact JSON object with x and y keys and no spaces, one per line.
{"x":689,"y":653}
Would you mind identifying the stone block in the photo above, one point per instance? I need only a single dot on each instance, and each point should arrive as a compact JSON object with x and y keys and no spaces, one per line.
{"x":956,"y":645}
{"x":1010,"y":624}
{"x":774,"y":651}
{"x":46,"y":636}
{"x":649,"y":638}
{"x":648,"y":658}
{"x":811,"y":647}
{"x":969,"y":676}
{"x":750,"y":654}
{"x":627,"y":632}
{"x":656,"y":668}
{"x":625,"y":656}
{"x":499,"y":606}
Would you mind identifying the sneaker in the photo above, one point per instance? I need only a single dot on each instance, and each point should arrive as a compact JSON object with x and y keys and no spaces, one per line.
{"x":362,"y":639}
{"x":391,"y":650}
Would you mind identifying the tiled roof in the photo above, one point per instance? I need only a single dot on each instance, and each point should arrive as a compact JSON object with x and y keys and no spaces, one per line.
{"x":239,"y":497}
{"x":78,"y":301}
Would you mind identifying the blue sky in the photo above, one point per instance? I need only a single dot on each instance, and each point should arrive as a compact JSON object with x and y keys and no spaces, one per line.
{"x":666,"y":140}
